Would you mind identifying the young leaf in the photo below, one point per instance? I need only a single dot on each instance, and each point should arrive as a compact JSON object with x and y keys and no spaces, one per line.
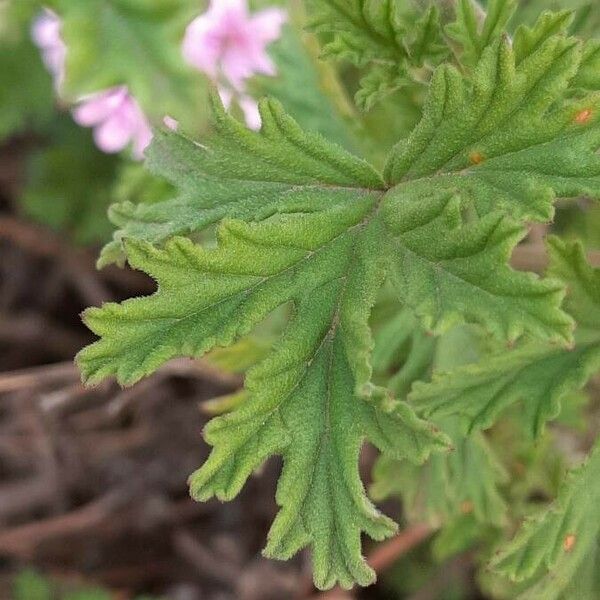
{"x":507,"y":140}
{"x":558,"y":540}
{"x":475,"y":29}
{"x":480,"y":392}
{"x":393,"y":37}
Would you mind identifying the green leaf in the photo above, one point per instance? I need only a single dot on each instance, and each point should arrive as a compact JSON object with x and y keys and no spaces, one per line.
{"x":306,"y":224}
{"x":440,"y":268}
{"x":551,"y":547}
{"x":116,"y":42}
{"x":68,"y":184}
{"x":538,"y":375}
{"x":26,"y":94}
{"x":475,"y":29}
{"x":508,"y":139}
{"x":462,"y":482}
{"x":310,"y":400}
{"x":393,"y":37}
{"x":273,"y":173}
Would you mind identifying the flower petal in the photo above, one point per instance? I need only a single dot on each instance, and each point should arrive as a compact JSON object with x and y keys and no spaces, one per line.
{"x":98,"y":107}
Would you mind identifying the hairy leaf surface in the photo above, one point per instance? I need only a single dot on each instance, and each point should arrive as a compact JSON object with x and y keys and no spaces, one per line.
{"x":395,"y":38}
{"x":508,"y":140}
{"x":305,"y":224}
{"x":538,"y":375}
{"x":558,"y":544}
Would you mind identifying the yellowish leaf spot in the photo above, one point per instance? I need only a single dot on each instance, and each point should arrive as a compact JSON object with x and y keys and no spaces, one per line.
{"x":466,"y":507}
{"x":582,"y":117}
{"x":569,"y":542}
{"x":476,"y":158}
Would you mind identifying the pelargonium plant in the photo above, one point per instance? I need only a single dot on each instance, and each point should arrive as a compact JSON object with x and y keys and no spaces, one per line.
{"x":408,"y":209}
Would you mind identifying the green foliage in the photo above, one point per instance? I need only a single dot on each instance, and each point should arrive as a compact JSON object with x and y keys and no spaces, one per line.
{"x":111,"y":42}
{"x":556,"y":551}
{"x":26,"y":94}
{"x":306,"y":223}
{"x":475,"y":29}
{"x":480,"y":392}
{"x":274,"y":174}
{"x":76,"y":205}
{"x":509,"y":139}
{"x":396,"y":38}
{"x":307,"y":237}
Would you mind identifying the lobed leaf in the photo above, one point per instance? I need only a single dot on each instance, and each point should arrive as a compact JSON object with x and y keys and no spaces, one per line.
{"x":560,"y":539}
{"x":304,"y":223}
{"x":538,"y":375}
{"x":393,"y":37}
{"x":507,"y":140}
{"x":240,"y":174}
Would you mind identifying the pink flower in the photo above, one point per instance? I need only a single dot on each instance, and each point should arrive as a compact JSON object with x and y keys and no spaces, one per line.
{"x":45,"y":33}
{"x":117,"y":120}
{"x":226,"y":40}
{"x":248,"y":105}
{"x":230,"y":46}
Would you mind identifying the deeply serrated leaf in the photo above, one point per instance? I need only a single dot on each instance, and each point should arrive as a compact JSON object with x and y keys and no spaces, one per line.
{"x":557,"y":539}
{"x":241,"y":175}
{"x":441,"y":268}
{"x":507,"y":140}
{"x":480,"y":392}
{"x":393,"y":37}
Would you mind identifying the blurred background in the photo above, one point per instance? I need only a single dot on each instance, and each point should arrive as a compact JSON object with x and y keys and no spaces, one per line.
{"x":93,"y":495}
